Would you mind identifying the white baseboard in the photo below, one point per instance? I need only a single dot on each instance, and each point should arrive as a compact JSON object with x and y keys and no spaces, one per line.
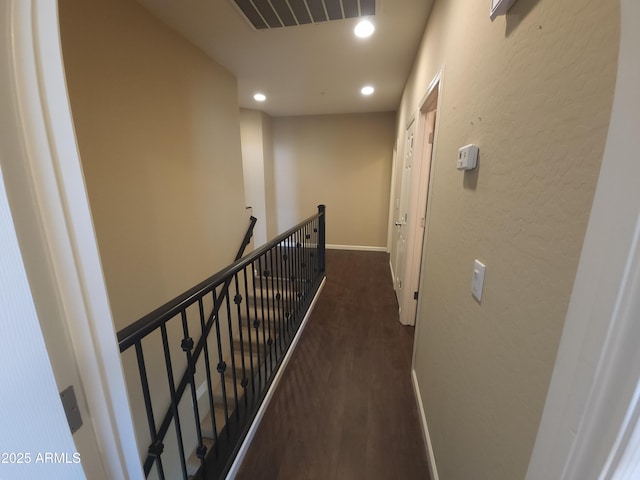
{"x":233,"y":471}
{"x":425,"y":430}
{"x":362,"y":248}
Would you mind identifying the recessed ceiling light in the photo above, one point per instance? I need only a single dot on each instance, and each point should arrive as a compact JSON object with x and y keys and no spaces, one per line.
{"x":364,"y":29}
{"x":259,"y":97}
{"x":368,"y":90}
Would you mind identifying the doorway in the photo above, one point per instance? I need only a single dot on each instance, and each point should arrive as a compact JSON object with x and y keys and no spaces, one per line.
{"x":402,"y":220}
{"x":410,"y":222}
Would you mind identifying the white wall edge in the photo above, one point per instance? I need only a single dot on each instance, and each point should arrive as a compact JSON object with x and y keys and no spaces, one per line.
{"x":51,"y":170}
{"x":433,"y":470}
{"x":362,"y":248}
{"x":585,"y":410}
{"x":244,"y":448}
{"x":392,"y":194}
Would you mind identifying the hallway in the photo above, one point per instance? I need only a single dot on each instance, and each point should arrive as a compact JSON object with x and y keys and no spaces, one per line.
{"x":345,"y":408}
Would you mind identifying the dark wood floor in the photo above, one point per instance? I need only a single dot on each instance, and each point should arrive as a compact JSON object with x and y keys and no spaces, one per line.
{"x":344,"y":408}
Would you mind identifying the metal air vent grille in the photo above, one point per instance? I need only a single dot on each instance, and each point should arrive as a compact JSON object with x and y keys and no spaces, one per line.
{"x":264,"y":14}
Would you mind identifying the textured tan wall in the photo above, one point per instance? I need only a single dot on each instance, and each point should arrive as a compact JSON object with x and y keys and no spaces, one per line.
{"x":253,"y":168}
{"x":343,"y":161}
{"x":269,"y":177}
{"x":157,"y":124}
{"x":534,"y":91}
{"x":259,"y":175}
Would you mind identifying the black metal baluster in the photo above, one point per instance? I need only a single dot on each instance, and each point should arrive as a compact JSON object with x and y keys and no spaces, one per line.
{"x":303,"y":263}
{"x":207,"y":367}
{"x":305,"y":259}
{"x":286,"y":281}
{"x":274,"y":308}
{"x":156,"y":447}
{"x":263,"y":318}
{"x":222,"y":366}
{"x":315,"y":248}
{"x":299,"y":276}
{"x":279,"y":299}
{"x":256,"y":324}
{"x":187,"y":346}
{"x":283,"y":291}
{"x":247,"y":309}
{"x":321,"y":237}
{"x":174,"y":401}
{"x":292,"y":290}
{"x":309,"y":266}
{"x":238,"y":301}
{"x":284,"y":273}
{"x":267,"y":294}
{"x":294,"y":278}
{"x":233,"y":359}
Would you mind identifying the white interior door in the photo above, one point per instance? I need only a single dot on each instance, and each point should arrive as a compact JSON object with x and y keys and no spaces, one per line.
{"x":401,"y":222}
{"x":416,"y":224}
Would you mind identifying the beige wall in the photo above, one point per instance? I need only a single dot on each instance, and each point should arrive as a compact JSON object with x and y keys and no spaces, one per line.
{"x":343,"y":161}
{"x":257,"y":161}
{"x":534,"y":91}
{"x":269,"y":177}
{"x":157,"y":124}
{"x":253,"y":168}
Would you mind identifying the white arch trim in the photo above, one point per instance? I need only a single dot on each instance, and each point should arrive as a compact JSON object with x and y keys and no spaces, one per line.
{"x":50,"y":168}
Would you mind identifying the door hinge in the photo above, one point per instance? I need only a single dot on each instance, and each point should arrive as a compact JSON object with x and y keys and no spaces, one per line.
{"x":415,"y":295}
{"x":71,"y":409}
{"x":430,"y":138}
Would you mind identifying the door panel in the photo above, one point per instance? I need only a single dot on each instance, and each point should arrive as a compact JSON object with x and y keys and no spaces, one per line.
{"x":415,"y":229}
{"x":401,"y":222}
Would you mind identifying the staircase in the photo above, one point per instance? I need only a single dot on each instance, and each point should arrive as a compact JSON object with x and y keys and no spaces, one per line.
{"x":251,"y":359}
{"x":255,"y":307}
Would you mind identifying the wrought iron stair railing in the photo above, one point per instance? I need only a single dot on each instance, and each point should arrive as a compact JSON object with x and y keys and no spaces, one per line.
{"x":255,"y":308}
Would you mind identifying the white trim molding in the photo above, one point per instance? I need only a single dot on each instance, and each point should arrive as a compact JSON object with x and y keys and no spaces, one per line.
{"x":433,"y":470}
{"x":362,"y":248}
{"x":54,"y":224}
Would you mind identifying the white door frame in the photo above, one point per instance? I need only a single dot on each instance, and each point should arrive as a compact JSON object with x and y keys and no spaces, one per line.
{"x":420,"y":188}
{"x":392,"y":204}
{"x":590,"y":419}
{"x":46,"y":180}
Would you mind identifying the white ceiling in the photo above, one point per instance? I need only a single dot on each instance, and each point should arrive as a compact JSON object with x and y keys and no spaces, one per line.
{"x":307,"y":69}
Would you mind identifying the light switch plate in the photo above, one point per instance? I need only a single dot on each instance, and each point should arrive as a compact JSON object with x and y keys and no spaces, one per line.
{"x":477,"y":279}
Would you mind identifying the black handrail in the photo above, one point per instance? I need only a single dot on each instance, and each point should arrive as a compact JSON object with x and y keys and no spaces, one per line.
{"x":296,"y":258}
{"x":128,"y":336}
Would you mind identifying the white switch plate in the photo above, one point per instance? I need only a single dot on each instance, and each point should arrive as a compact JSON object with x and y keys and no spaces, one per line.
{"x":477,"y":279}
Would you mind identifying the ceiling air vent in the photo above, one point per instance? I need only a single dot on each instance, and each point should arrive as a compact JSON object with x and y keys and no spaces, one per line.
{"x":287,"y":13}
